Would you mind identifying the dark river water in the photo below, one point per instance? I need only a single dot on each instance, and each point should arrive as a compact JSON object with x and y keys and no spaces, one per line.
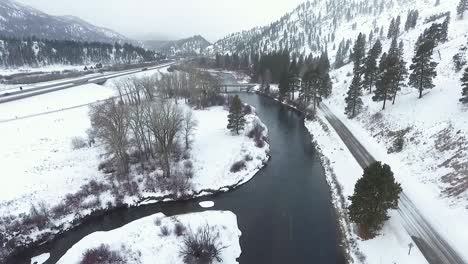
{"x":284,"y":212}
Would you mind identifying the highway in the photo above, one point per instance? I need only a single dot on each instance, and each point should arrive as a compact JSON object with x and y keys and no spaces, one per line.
{"x":432,"y":245}
{"x":69,"y":83}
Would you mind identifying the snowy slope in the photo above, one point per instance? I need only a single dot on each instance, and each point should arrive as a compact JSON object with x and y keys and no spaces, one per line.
{"x":184,"y":47}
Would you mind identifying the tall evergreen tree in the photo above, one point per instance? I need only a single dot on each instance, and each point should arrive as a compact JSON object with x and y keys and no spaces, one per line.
{"x":423,"y":67}
{"x":236,"y":120}
{"x":370,"y":66}
{"x":284,"y":84}
{"x":391,"y":29}
{"x":462,"y":7}
{"x":464,"y":80}
{"x":374,"y":194}
{"x":353,"y":99}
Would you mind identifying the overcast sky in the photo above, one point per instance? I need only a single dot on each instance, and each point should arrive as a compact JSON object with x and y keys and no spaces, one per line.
{"x":171,"y":19}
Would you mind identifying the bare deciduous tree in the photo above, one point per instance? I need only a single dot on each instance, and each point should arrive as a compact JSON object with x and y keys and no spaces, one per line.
{"x":165,"y":123}
{"x":189,"y":126}
{"x":110,"y":122}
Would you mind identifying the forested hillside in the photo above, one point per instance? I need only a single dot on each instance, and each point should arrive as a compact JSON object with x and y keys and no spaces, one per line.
{"x":192,"y":46}
{"x":40,"y":52}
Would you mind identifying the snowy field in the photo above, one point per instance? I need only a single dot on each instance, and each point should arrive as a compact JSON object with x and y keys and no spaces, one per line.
{"x":143,"y":242}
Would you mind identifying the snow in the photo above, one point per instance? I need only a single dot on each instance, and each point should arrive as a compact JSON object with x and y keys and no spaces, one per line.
{"x":40,"y":259}
{"x":143,"y":241}
{"x":206,"y":204}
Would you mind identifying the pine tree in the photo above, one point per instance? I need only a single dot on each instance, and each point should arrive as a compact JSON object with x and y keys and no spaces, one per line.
{"x":374,"y":194}
{"x":464,"y":80}
{"x":444,"y":29}
{"x":423,"y":68}
{"x":391,"y":29}
{"x":402,"y":73}
{"x":462,"y":7}
{"x":236,"y":120}
{"x":370,"y":66}
{"x":353,"y":99}
{"x":284,"y":85}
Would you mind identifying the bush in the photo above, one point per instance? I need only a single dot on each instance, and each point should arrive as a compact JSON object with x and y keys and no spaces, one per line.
{"x":101,"y":255}
{"x":259,"y":142}
{"x":179,"y":229}
{"x":38,"y":216}
{"x":256,"y":132}
{"x":78,"y":143}
{"x":238,"y":166}
{"x":157,"y":221}
{"x":201,"y":247}
{"x":177,"y":184}
{"x":188,"y":169}
{"x":165,"y":231}
{"x":247,"y":109}
{"x":106,"y":167}
{"x":248,"y":157}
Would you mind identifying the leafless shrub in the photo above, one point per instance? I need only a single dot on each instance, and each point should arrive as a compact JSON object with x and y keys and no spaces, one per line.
{"x":102,"y":255}
{"x":202,"y":247}
{"x":179,"y":229}
{"x":238,"y":166}
{"x":259,"y":142}
{"x":106,"y":167}
{"x":38,"y":216}
{"x":78,"y":143}
{"x":165,"y":231}
{"x":248,"y":109}
{"x":157,"y":221}
{"x":256,"y":132}
{"x":177,"y":184}
{"x":188,"y":169}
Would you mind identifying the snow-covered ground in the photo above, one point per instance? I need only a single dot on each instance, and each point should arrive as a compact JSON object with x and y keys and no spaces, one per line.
{"x":342,"y":172}
{"x":143,"y":242}
{"x":39,"y":165}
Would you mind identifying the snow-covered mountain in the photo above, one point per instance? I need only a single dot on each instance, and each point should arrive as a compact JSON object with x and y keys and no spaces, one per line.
{"x":195,"y":45}
{"x":21,"y":21}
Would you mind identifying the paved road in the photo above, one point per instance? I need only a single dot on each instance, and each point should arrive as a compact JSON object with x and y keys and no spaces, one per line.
{"x":56,"y":86}
{"x":433,"y":246}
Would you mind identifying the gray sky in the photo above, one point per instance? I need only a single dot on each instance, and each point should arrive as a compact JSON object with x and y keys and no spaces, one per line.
{"x":212,"y":19}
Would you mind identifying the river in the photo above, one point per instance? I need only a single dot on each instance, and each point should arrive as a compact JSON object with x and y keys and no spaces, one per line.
{"x":284,"y":212}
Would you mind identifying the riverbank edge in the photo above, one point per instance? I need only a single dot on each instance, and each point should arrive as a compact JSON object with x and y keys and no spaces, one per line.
{"x":56,"y":234}
{"x":348,"y":243}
